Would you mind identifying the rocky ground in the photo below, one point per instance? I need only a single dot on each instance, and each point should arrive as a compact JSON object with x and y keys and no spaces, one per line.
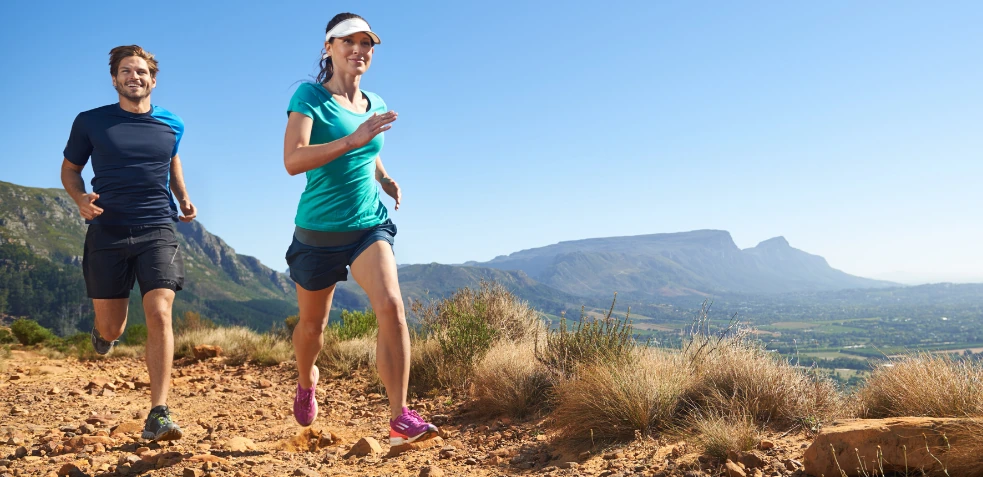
{"x":66,"y":417}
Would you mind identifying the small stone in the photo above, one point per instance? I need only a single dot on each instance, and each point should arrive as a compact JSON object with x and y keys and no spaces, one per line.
{"x":734,"y":470}
{"x":206,"y":351}
{"x":766,"y":444}
{"x":431,"y":471}
{"x":306,"y":473}
{"x":189,"y":472}
{"x":20,"y":452}
{"x":265,"y":384}
{"x":54,"y":391}
{"x":568,"y":465}
{"x":471,"y":461}
{"x":87,"y":429}
{"x":240,"y":444}
{"x":614,"y":455}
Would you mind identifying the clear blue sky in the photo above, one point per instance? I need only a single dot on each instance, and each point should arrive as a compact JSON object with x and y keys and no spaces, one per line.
{"x":851,"y":128}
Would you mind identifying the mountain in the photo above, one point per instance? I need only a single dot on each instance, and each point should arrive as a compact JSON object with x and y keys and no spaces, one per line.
{"x":221,"y":284}
{"x":687,"y":263}
{"x":423,"y":282}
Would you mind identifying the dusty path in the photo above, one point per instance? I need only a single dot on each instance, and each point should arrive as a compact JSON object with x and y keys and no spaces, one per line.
{"x":85,"y":418}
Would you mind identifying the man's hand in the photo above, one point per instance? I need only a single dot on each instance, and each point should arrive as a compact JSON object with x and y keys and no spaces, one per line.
{"x":87,"y":206}
{"x":189,"y":211}
{"x":391,"y":188}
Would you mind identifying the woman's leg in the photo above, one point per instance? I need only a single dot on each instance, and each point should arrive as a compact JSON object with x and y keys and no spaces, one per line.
{"x":308,"y":339}
{"x":375,"y":272}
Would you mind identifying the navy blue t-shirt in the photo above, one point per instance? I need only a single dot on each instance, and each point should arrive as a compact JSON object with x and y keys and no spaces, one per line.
{"x":131,"y":158}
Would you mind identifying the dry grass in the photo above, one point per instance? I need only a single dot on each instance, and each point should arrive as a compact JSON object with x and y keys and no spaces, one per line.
{"x":239,"y":344}
{"x":346,"y":357}
{"x":734,"y":376}
{"x":611,"y":401}
{"x":965,"y":457}
{"x":509,"y":380}
{"x":426,"y":366}
{"x":492,"y":302}
{"x":717,"y":435}
{"x":923,"y":384}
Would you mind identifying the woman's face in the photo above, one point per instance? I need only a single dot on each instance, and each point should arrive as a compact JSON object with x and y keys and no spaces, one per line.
{"x":351,"y":54}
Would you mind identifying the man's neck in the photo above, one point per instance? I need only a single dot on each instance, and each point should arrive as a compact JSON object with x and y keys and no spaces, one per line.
{"x":136,"y":107}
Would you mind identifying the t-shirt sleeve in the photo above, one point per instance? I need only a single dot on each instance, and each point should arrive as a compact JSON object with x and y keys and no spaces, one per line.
{"x":179,"y":133}
{"x":303,"y":101}
{"x":79,"y":147}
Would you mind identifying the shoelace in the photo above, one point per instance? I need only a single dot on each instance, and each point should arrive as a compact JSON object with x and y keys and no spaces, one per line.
{"x":414,"y":418}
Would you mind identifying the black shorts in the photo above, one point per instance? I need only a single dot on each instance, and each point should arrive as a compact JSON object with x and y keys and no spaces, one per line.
{"x":316,"y":268}
{"x":117,"y":255}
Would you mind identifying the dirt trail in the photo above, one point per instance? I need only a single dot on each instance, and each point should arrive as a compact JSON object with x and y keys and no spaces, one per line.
{"x":66,"y":417}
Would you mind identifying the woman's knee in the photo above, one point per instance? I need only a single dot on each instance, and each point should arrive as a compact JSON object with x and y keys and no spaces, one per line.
{"x":311,"y":328}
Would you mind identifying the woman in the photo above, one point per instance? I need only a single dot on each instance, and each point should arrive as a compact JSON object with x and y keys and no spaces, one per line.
{"x":334,"y":135}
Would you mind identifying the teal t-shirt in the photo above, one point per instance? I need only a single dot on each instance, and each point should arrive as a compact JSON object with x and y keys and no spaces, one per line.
{"x":343,"y":194}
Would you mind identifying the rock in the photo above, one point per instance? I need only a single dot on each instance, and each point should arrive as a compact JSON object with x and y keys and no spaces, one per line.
{"x":679,"y":449}
{"x":86,"y":429}
{"x":891,"y":443}
{"x":365,"y":446}
{"x":766,"y":444}
{"x":20,"y":452}
{"x":19,"y":411}
{"x":54,"y":391}
{"x":107,"y":393}
{"x":306,"y":473}
{"x":97,"y":383}
{"x":70,"y":469}
{"x":128,"y":427}
{"x":427,"y":444}
{"x":568,"y":465}
{"x":16,"y":377}
{"x":439,"y":419}
{"x":98,"y":420}
{"x":431,"y":471}
{"x":752,"y":460}
{"x":206,"y":351}
{"x":207,"y":458}
{"x":265,"y":384}
{"x":733,"y":470}
{"x":188,"y":472}
{"x":241,"y":444}
{"x":614,"y":455}
{"x":471,"y":461}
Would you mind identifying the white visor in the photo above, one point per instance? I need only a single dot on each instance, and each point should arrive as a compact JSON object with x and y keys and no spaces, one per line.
{"x":349,"y":27}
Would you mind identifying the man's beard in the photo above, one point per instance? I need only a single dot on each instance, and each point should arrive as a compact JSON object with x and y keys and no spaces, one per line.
{"x":135,"y":97}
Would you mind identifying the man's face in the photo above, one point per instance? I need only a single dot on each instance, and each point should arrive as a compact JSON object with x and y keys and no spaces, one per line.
{"x":133,"y":80}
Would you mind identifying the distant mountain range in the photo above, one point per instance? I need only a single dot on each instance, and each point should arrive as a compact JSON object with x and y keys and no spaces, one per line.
{"x":235,"y":288}
{"x":701,"y":262}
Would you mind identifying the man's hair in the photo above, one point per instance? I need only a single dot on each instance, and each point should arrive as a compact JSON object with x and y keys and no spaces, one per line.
{"x":120,"y":52}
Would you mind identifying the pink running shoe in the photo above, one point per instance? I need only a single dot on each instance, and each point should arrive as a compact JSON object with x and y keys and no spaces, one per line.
{"x":305,"y":402}
{"x":410,"y":427}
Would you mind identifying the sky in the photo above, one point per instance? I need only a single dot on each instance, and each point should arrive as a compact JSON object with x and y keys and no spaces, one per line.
{"x":853,"y":129}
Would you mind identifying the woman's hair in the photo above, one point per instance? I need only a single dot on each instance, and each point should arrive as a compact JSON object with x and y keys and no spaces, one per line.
{"x":327,"y":68}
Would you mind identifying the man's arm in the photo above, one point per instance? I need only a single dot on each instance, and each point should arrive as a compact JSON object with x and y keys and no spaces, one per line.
{"x":181,"y":191}
{"x":71,"y":180}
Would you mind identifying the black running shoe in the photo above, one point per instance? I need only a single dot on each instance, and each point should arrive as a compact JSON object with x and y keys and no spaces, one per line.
{"x":102,"y":346}
{"x":160,"y":427}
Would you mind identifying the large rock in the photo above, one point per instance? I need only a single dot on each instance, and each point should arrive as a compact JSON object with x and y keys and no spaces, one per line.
{"x":365,"y":446}
{"x":932,"y":445}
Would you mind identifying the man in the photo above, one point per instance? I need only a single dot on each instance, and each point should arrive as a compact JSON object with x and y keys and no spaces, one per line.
{"x":131,"y":214}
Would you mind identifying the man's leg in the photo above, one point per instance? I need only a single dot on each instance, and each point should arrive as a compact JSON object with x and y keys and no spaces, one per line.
{"x":110,"y":317}
{"x":160,"y":342}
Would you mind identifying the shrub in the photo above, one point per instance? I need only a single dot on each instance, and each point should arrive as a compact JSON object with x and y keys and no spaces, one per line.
{"x":29,"y":332}
{"x":593,"y":341}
